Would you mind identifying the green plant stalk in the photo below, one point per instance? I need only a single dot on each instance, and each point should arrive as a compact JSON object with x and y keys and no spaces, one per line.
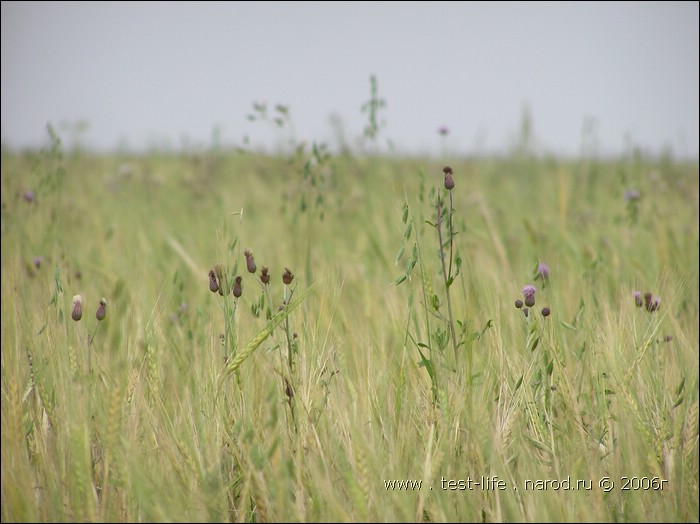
{"x":290,"y":359}
{"x":230,"y":339}
{"x":266,"y":291}
{"x":445,"y":274}
{"x":449,"y":227}
{"x":230,"y":346}
{"x":229,"y":313}
{"x":90,"y":340}
{"x":433,"y":376}
{"x":547,"y":363}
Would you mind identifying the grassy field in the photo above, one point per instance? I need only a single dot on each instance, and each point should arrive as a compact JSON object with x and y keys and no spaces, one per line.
{"x":373,"y":386}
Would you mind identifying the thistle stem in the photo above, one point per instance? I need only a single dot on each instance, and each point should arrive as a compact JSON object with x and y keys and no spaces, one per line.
{"x":445,"y":274}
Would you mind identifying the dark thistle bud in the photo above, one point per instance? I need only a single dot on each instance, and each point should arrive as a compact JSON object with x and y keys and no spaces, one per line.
{"x":647,"y":301}
{"x":545,"y":311}
{"x":237,"y":287}
{"x":249,"y":262}
{"x":77,"y":312}
{"x":637,"y":298}
{"x":265,"y":275}
{"x":654,"y":305}
{"x":287,"y":276}
{"x":518,"y":303}
{"x":213,"y":284}
{"x":219,"y":273}
{"x":449,"y":181}
{"x":101,"y":310}
{"x":526,"y":311}
{"x":529,"y":294}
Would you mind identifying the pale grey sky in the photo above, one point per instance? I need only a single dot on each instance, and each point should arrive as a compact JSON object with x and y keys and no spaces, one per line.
{"x":163,"y":74}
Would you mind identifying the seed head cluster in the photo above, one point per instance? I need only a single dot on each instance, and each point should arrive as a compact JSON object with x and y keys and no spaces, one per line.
{"x":650,"y":302}
{"x":528,"y":292}
{"x":217,"y":277}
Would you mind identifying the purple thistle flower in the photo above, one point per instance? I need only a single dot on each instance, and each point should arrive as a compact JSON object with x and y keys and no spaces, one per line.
{"x":28,"y":196}
{"x":542,"y":271}
{"x":631,"y":195}
{"x":529,"y":290}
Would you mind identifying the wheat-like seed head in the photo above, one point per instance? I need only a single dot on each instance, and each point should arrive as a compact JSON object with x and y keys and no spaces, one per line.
{"x":152,"y":370}
{"x":14,"y":419}
{"x":114,"y":419}
{"x":690,"y":433}
{"x":248,"y":350}
{"x":133,"y":377}
{"x":362,"y":476}
{"x":261,"y":504}
{"x":73,"y":360}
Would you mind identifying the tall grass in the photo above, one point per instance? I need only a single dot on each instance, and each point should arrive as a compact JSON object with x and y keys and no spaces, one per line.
{"x":160,"y":428}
